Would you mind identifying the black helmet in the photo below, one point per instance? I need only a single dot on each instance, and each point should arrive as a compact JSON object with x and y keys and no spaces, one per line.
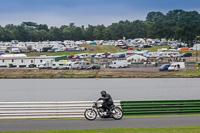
{"x":103,"y":93}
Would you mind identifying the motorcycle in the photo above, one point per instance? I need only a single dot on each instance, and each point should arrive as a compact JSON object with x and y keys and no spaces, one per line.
{"x":91,"y":113}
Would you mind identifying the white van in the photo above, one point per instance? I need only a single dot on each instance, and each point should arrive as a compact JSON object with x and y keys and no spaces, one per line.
{"x":45,"y":65}
{"x":176,"y":66}
{"x":68,"y":65}
{"x":119,"y":64}
{"x":58,"y":65}
{"x":99,"y":55}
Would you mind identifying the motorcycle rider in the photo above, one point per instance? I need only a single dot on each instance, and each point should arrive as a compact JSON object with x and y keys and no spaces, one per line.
{"x":107,"y":101}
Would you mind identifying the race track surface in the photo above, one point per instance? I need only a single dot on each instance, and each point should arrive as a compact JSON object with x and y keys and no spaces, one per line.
{"x":62,"y":124}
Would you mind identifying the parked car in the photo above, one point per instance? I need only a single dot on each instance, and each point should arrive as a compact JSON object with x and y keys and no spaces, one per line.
{"x":51,"y":50}
{"x":93,"y":66}
{"x":146,"y":46}
{"x":159,"y":58}
{"x":187,"y":55}
{"x":130,"y":48}
{"x":164,"y":67}
{"x":120,"y":55}
{"x":124,"y":47}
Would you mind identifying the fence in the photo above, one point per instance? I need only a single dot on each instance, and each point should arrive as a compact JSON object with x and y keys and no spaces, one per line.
{"x":160,"y":107}
{"x":140,"y":64}
{"x":18,"y":110}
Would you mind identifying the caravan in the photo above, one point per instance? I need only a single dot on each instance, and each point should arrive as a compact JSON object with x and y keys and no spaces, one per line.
{"x":84,"y":64}
{"x":119,"y":64}
{"x":74,"y":65}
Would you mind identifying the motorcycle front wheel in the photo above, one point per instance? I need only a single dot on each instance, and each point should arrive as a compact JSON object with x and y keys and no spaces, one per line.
{"x":90,"y":114}
{"x":117,"y":113}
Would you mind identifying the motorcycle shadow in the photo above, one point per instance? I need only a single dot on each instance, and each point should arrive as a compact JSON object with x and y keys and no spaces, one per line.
{"x":106,"y":119}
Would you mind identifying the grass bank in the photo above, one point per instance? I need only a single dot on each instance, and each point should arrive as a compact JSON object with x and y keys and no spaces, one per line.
{"x":187,"y":129}
{"x":107,"y":73}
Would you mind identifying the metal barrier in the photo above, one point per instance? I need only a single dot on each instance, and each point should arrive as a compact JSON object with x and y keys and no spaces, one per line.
{"x":160,"y":107}
{"x":20,"y":110}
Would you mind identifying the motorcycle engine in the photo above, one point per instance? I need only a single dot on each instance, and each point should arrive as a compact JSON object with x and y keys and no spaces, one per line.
{"x":101,"y":110}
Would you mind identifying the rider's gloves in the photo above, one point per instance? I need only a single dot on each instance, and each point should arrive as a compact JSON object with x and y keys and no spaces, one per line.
{"x":99,"y":99}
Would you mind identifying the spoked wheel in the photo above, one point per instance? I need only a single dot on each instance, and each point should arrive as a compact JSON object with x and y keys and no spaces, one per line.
{"x":117,"y":113}
{"x":90,"y":114}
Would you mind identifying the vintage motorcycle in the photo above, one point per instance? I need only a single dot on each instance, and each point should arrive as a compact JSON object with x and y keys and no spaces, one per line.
{"x":91,"y":113}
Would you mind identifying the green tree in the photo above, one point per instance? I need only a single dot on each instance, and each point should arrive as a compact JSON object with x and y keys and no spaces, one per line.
{"x":88,"y":34}
{"x":154,"y":16}
{"x":188,"y":26}
{"x":98,"y":32}
{"x":138,"y":29}
{"x":43,"y":27}
{"x":78,"y":34}
{"x":66,"y":33}
{"x":43,"y":35}
{"x":55,"y":34}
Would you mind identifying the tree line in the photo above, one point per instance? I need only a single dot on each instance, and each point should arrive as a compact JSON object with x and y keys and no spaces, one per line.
{"x":176,"y":24}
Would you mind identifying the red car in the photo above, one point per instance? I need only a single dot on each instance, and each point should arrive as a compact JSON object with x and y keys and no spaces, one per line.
{"x":130,"y":48}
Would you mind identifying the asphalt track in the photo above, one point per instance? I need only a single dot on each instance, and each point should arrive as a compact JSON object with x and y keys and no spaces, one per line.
{"x":62,"y":124}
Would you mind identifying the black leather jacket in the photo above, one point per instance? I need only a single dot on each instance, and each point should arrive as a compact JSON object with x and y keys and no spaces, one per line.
{"x":107,"y":99}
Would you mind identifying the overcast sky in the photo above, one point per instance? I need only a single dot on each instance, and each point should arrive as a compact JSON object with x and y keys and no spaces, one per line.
{"x":84,"y":12}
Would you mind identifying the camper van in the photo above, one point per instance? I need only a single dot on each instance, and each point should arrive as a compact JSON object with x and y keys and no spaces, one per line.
{"x":68,"y":65}
{"x":117,"y":55}
{"x":45,"y":66}
{"x":58,"y":65}
{"x":74,"y":65}
{"x":119,"y":64}
{"x":84,"y":64}
{"x":176,"y":66}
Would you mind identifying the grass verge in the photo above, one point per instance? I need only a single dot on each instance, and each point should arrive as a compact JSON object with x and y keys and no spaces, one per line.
{"x":187,"y":129}
{"x":35,"y":73}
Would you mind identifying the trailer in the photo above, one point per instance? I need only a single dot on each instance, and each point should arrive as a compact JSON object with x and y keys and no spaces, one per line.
{"x":119,"y":64}
{"x":84,"y":64}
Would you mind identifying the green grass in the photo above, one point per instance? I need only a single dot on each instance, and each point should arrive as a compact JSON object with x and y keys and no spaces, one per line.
{"x":187,"y":129}
{"x":193,"y":72}
{"x":155,"y":48}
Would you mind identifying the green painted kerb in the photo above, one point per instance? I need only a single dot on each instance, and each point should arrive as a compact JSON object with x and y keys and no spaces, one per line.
{"x":161,"y":107}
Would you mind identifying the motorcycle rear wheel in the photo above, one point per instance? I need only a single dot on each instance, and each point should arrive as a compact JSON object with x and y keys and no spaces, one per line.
{"x":90,"y":114}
